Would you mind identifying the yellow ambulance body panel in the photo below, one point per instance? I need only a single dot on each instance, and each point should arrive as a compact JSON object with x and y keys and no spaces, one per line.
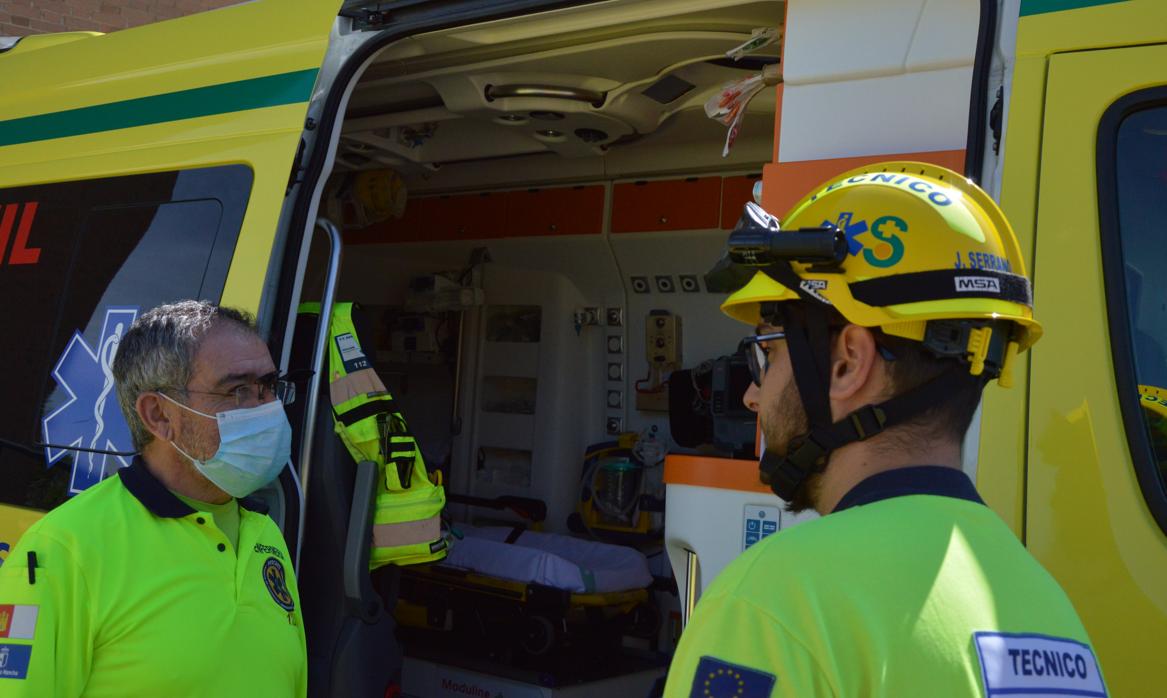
{"x":1063,"y":466}
{"x":228,"y":86}
{"x":222,"y":88}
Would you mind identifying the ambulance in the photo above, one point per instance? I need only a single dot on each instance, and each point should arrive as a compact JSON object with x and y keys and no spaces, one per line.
{"x":523,"y":197}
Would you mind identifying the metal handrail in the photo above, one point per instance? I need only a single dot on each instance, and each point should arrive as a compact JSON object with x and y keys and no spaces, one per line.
{"x":318,"y":357}
{"x":690,"y":587}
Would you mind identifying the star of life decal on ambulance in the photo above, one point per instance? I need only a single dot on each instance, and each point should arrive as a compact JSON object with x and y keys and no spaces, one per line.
{"x":90,"y":418}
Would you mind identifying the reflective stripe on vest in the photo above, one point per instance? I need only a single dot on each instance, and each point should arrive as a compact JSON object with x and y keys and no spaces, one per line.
{"x":407,"y":519}
{"x":407,"y":532}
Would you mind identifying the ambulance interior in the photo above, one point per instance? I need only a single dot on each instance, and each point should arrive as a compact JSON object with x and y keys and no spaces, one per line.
{"x":528,"y":209}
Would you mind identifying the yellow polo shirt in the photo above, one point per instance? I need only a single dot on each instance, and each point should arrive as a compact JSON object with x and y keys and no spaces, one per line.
{"x":911,"y":588}
{"x":125,"y":590}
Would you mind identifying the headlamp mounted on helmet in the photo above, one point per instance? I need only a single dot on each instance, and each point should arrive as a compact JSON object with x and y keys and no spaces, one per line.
{"x":759,"y":241}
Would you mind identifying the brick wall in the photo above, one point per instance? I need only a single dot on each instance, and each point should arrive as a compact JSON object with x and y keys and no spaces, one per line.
{"x":24,"y":17}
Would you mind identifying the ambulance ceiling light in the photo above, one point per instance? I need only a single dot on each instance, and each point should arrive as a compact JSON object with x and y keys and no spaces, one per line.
{"x":574,"y":94}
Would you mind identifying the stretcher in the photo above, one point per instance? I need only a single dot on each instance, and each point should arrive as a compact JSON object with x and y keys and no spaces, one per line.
{"x":527,"y":598}
{"x":580,"y":566}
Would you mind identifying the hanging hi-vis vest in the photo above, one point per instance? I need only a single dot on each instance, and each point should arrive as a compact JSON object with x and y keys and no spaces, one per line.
{"x":407,"y":522}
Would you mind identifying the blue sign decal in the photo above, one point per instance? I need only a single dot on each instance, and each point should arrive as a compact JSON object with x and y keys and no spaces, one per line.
{"x":14,"y":661}
{"x":91,"y":417}
{"x":759,"y":522}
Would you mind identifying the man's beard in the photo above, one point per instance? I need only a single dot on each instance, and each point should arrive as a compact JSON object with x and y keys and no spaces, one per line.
{"x":781,"y":422}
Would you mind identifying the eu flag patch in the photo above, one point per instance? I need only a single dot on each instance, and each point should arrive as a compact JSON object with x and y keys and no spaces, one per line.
{"x":718,"y":679}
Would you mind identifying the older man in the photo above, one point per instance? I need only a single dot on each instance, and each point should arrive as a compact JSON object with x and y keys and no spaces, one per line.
{"x":162,"y":581}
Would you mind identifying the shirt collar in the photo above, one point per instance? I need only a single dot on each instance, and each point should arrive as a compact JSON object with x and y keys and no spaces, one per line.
{"x":153,"y":495}
{"x":160,"y":501}
{"x":935,"y":480}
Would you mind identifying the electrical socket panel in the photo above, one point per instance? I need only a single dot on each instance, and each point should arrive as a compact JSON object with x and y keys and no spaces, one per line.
{"x":662,"y":340}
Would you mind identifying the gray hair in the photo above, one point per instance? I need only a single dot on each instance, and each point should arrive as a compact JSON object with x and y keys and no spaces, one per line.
{"x":158,"y":351}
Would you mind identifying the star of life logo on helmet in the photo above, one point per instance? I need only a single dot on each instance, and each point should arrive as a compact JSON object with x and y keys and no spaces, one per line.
{"x":977,"y":284}
{"x":882,"y":245}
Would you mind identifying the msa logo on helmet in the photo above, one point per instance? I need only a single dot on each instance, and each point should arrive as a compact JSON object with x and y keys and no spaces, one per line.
{"x":881,"y":245}
{"x":977,"y":284}
{"x":815,"y":287}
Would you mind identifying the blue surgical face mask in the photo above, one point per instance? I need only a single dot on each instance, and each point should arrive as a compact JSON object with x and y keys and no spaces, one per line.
{"x":254,"y":445}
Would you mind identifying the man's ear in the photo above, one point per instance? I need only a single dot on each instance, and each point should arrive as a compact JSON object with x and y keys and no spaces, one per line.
{"x":853,"y":366}
{"x":150,"y":407}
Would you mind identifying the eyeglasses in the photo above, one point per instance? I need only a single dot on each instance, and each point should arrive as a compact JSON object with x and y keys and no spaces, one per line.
{"x":254,"y":392}
{"x":757,"y":358}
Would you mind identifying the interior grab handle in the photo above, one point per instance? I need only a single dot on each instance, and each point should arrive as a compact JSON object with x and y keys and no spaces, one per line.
{"x":319,"y":349}
{"x":691,"y":571}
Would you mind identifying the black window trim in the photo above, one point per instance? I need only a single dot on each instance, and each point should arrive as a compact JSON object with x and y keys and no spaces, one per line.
{"x":1117,"y":308}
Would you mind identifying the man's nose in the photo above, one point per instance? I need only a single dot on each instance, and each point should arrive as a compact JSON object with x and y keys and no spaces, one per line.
{"x":752,"y":397}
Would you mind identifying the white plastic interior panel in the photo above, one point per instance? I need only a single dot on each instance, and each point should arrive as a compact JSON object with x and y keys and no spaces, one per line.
{"x":706,"y":332}
{"x":913,"y":35}
{"x":606,"y":62}
{"x":593,"y":17}
{"x":715,"y":535}
{"x":946,"y":36}
{"x":876,"y":115}
{"x":448,"y":142}
{"x":432,"y":102}
{"x":688,"y":142}
{"x":562,"y":363}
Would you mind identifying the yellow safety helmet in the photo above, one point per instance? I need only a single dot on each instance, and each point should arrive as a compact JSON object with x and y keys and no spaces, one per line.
{"x":923,"y":243}
{"x":915,"y":250}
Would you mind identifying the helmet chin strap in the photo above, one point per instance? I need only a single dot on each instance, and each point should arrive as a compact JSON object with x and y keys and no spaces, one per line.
{"x":807,"y":330}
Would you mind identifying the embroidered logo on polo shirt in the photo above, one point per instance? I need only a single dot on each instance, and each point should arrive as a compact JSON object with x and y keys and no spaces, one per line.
{"x":268,"y":550}
{"x":718,"y":679}
{"x":1037,"y":665}
{"x":277,"y":584}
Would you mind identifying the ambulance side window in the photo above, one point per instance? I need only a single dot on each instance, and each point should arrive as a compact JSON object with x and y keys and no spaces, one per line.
{"x":78,"y":262}
{"x":1132,"y":158}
